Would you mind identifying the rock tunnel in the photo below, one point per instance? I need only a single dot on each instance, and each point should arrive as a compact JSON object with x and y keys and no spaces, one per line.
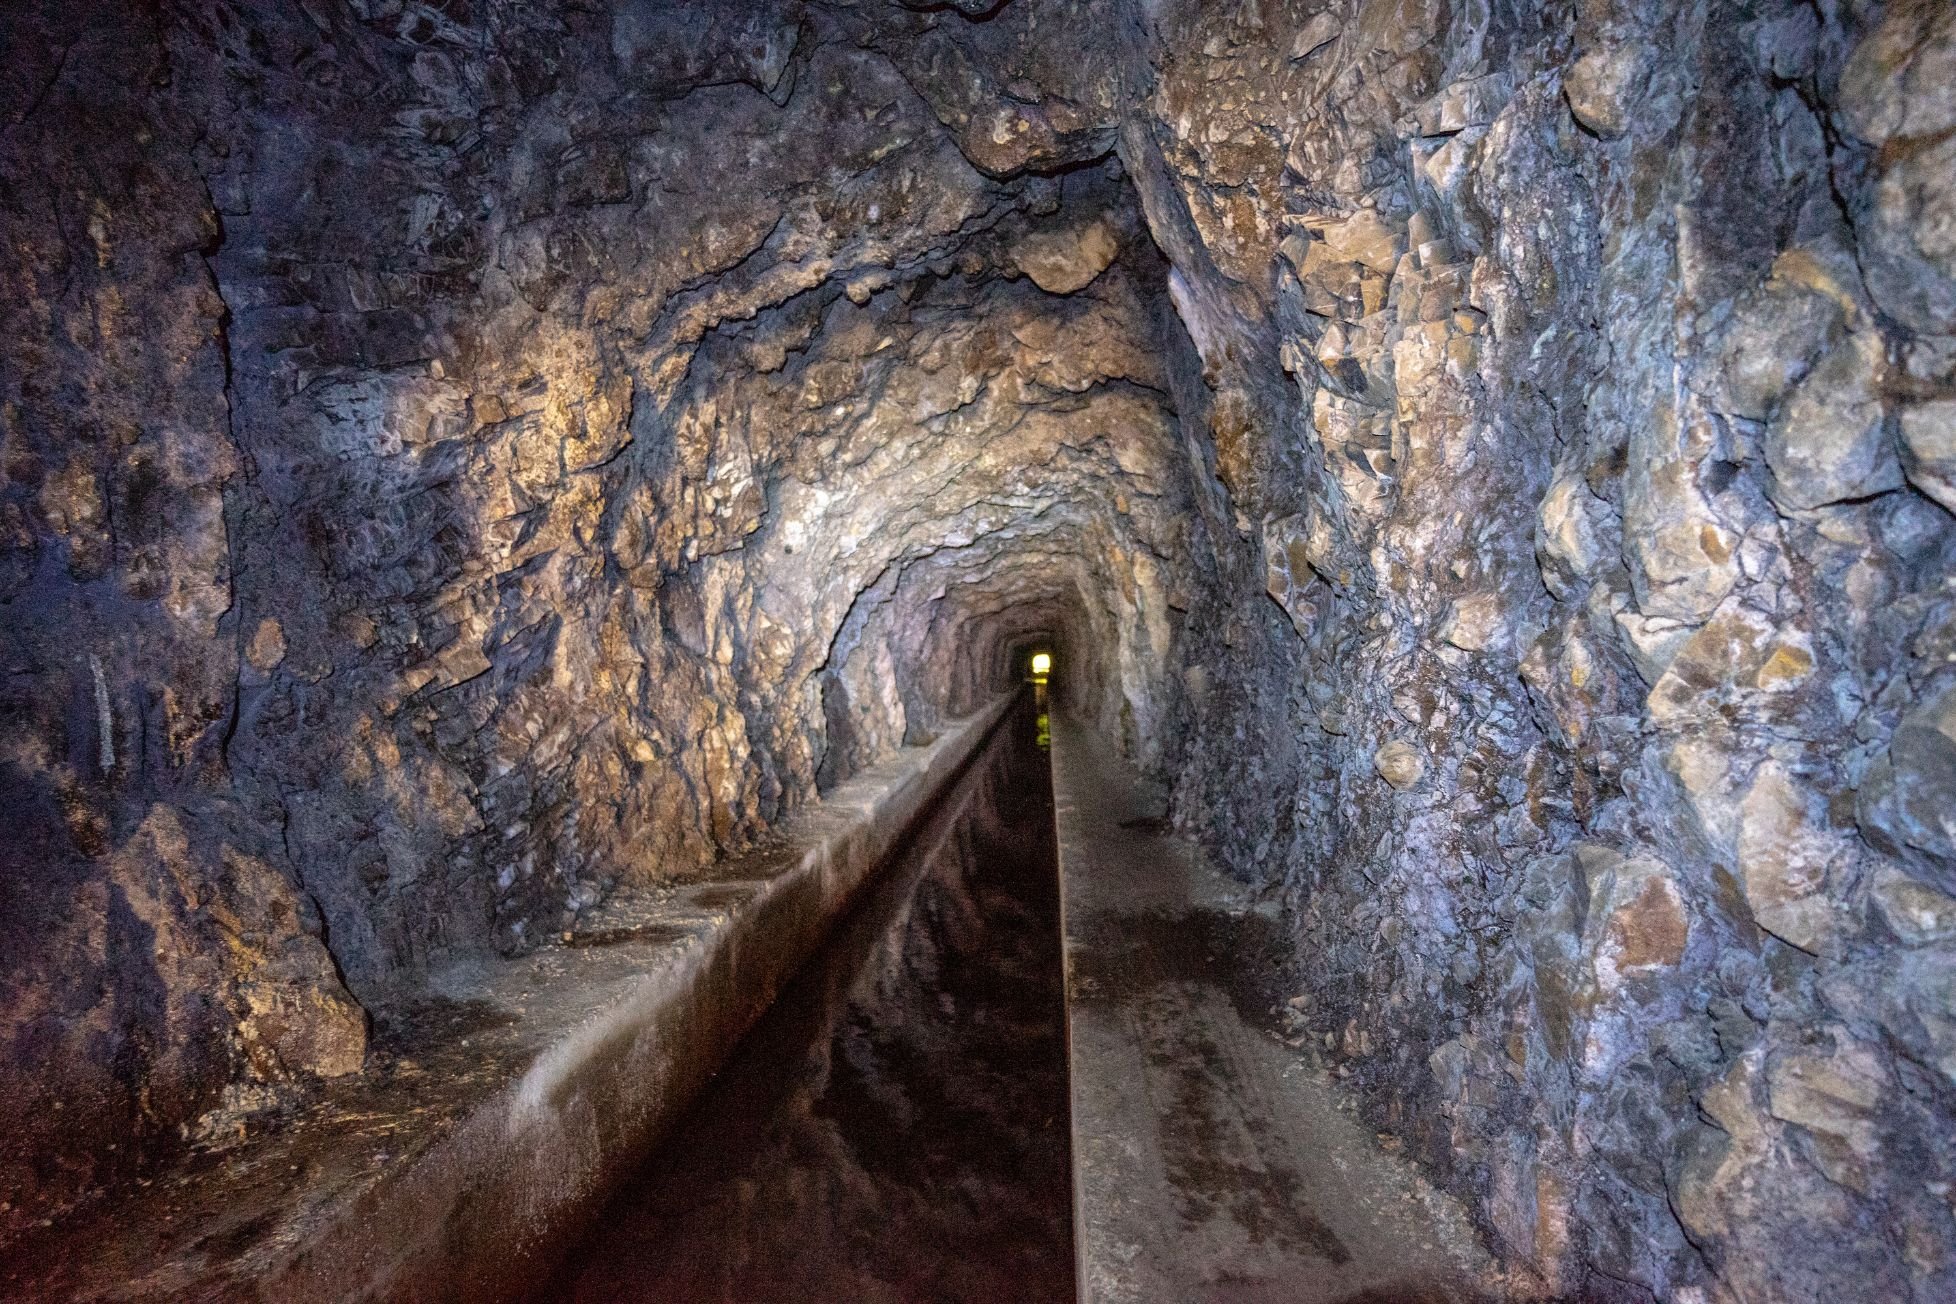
{"x":1482,"y":470}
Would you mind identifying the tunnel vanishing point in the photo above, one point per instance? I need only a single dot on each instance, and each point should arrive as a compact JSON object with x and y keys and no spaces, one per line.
{"x":482,"y":480}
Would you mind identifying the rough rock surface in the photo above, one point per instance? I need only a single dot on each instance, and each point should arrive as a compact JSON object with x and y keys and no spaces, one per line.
{"x":460,"y":459}
{"x":1495,"y":461}
{"x":1610,"y":771}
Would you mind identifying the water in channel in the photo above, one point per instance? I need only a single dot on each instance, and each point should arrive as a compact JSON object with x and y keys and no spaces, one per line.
{"x":895,"y":1127}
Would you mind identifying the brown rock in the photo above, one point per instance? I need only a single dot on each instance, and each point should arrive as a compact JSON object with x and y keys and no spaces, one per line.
{"x":267,"y":646}
{"x":1649,"y":929}
{"x":1065,"y":261}
{"x":1400,"y":763}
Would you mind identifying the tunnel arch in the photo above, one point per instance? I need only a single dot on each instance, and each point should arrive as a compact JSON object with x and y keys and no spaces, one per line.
{"x":462,"y":461}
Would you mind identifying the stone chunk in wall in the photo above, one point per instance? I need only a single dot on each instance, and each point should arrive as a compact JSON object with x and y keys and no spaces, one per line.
{"x":1835,"y":1099}
{"x":1785,"y":850}
{"x":1738,"y":659}
{"x":1470,"y":102}
{"x":1830,"y":441}
{"x":1779,"y":330}
{"x":1288,"y":576}
{"x":1898,"y":93}
{"x":1915,"y":913}
{"x":237,"y":934}
{"x":1929,"y":449}
{"x":1063,"y":261}
{"x":294,"y":1015}
{"x":1366,"y":237}
{"x":1400,"y":763}
{"x":1573,"y":530}
{"x":1476,"y":622}
{"x":1682,"y":552}
{"x":1637,"y":917}
{"x":1603,"y":85}
{"x":1908,"y":800}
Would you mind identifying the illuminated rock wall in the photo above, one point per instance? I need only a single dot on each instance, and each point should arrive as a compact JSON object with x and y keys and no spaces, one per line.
{"x":459,"y":461}
{"x":1583,"y":375}
{"x":1494,"y":461}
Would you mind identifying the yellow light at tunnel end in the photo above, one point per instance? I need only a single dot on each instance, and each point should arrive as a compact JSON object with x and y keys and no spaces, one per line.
{"x":1042,"y":664}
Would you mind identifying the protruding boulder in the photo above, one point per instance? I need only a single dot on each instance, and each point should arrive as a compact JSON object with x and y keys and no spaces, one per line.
{"x":1899,"y":89}
{"x":267,"y":646}
{"x":1908,"y":800}
{"x":1681,"y":545}
{"x":1737,"y":658}
{"x":1915,"y":912}
{"x":1785,"y":850}
{"x":1571,"y":534}
{"x":1288,"y":575}
{"x":1830,"y":441}
{"x":1471,"y":102}
{"x":1476,"y":623}
{"x":1366,"y":237}
{"x":1400,"y":763}
{"x":1929,"y":449}
{"x":1778,"y":333}
{"x":1314,"y":35}
{"x":1835,"y":1098}
{"x":1063,"y":260}
{"x":1602,"y":86}
{"x":1636,"y":918}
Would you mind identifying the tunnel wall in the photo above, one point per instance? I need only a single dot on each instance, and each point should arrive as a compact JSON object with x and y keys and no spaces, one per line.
{"x":1579,"y":377}
{"x":1494,"y":459}
{"x":458,"y":459}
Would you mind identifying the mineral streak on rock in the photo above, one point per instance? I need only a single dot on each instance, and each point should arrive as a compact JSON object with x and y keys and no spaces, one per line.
{"x":1495,"y":464}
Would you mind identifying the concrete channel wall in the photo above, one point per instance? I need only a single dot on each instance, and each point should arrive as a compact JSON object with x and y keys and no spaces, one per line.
{"x":480,"y":1216}
{"x":597,"y":1047}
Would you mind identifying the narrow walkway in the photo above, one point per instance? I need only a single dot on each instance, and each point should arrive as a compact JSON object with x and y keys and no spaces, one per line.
{"x":1211,"y":1162}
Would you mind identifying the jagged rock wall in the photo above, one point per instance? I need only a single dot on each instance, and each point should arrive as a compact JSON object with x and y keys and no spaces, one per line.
{"x":1495,"y":459}
{"x":1023,"y":457}
{"x":461,"y":458}
{"x":1599,"y":726}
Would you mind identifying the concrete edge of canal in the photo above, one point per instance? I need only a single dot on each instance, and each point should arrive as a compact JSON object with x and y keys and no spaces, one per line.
{"x":479,"y":1215}
{"x":600,"y":1046}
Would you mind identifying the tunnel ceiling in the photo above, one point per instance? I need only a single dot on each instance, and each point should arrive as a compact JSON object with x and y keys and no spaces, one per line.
{"x":588,"y":433}
{"x":1493,"y":463}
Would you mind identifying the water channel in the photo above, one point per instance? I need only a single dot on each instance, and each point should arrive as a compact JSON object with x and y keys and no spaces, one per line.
{"x":895,"y":1128}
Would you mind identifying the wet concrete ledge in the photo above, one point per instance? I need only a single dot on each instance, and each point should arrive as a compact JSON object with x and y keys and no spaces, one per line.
{"x":1212,"y":1160}
{"x":524,"y":1089}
